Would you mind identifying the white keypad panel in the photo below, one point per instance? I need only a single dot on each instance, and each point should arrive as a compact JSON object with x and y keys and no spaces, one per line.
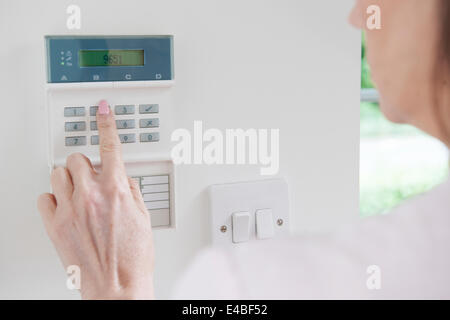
{"x":135,"y":123}
{"x":156,"y":195}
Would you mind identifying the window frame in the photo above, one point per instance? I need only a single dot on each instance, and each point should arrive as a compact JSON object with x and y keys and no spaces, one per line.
{"x":370,"y":95}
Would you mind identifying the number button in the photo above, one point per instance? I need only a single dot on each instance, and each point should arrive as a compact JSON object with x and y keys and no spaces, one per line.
{"x":74,"y":112}
{"x":149,"y":123}
{"x":127,"y":138}
{"x":124,"y":109}
{"x":93,"y":111}
{"x":125,"y":124}
{"x":148,"y":108}
{"x":121,"y":124}
{"x":149,"y":137}
{"x":75,"y":126}
{"x":75,"y":141}
{"x":93,"y":126}
{"x":94,"y":140}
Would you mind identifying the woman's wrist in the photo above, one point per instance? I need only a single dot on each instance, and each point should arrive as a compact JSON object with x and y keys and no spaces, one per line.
{"x":141,"y":291}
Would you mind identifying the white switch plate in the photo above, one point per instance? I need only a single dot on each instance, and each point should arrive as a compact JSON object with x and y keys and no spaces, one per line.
{"x":226,"y":199}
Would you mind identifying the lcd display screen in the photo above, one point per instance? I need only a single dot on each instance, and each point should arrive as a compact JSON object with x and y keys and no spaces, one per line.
{"x":110,"y":58}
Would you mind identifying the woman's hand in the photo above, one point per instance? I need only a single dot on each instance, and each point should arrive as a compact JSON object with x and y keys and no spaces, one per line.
{"x":98,"y":221}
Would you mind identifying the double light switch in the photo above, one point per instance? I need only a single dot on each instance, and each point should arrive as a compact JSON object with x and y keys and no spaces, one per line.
{"x":241,"y":225}
{"x":248,"y":211}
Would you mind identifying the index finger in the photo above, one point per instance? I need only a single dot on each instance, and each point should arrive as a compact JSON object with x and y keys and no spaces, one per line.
{"x":110,"y":147}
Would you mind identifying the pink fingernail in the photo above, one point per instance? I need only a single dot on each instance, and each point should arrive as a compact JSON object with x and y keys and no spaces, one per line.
{"x":103,"y":107}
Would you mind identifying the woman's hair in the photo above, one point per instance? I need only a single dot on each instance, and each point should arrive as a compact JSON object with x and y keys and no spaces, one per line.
{"x":443,"y":72}
{"x":446,"y":29}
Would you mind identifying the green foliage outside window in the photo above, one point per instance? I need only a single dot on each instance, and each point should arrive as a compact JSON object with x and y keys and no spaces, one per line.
{"x":366,"y":81}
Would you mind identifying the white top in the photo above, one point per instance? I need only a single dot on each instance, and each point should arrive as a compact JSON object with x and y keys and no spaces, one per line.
{"x":411,"y":247}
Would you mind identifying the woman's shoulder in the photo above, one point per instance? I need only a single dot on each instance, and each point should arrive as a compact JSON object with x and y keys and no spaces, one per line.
{"x":419,"y":222}
{"x":426,"y":212}
{"x":434,"y":201}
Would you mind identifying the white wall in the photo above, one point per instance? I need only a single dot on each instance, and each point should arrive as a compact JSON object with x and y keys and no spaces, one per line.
{"x":285,"y":64}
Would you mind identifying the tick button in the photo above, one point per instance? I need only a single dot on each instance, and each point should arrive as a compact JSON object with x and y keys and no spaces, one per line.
{"x":148,"y":108}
